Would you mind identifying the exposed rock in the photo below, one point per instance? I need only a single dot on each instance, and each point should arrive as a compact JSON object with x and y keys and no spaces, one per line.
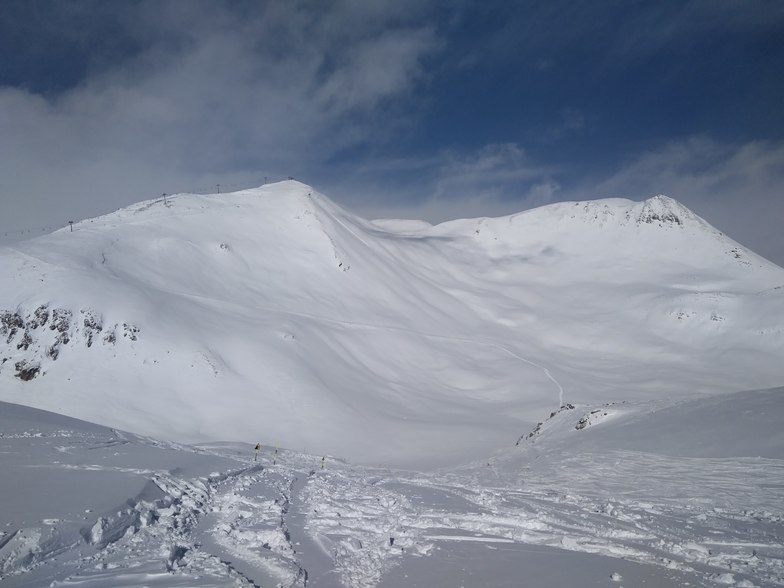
{"x":46,"y":330}
{"x":61,"y":322}
{"x":666,"y":217}
{"x":563,"y":407}
{"x":110,"y":336}
{"x":662,"y":210}
{"x":538,"y":428}
{"x":10,"y":323}
{"x":26,"y":371}
{"x":587,"y":419}
{"x":595,"y":416}
{"x":93,"y":324}
{"x":39,"y":317}
{"x":582,"y":423}
{"x":130,"y":331}
{"x":26,"y":341}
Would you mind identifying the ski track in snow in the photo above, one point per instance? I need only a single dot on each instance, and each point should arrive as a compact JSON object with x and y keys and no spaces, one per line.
{"x":701,"y":540}
{"x":293,"y":523}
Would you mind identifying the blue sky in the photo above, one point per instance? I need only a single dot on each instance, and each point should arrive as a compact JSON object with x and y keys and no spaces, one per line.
{"x":428,"y":109}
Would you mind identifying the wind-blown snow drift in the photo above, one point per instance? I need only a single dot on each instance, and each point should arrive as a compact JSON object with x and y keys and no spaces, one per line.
{"x":274,"y":315}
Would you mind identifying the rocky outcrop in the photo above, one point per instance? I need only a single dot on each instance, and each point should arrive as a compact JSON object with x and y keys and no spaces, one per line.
{"x":536,"y":431}
{"x":662,"y":210}
{"x":30,"y":339}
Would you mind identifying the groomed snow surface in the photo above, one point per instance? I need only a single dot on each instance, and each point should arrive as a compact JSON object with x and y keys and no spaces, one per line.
{"x":585,"y":394}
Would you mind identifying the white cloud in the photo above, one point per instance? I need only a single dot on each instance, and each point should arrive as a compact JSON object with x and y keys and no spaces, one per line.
{"x":230,"y":93}
{"x":376,"y":69}
{"x":737,"y":188}
{"x":495,"y":180}
{"x":493,"y":164}
{"x":216,"y":93}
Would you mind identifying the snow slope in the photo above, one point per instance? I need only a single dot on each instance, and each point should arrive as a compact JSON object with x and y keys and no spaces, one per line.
{"x":619,"y":502}
{"x":273,"y":314}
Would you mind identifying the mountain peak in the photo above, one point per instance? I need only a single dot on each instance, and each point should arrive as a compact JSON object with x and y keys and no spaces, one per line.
{"x":284,"y":187}
{"x":660,"y":211}
{"x":663,"y":210}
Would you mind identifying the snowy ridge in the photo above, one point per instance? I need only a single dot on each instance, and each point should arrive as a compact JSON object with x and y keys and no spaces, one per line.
{"x":273,"y":314}
{"x":661,"y":211}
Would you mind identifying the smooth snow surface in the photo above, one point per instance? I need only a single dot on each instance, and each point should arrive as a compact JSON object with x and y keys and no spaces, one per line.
{"x":87,"y":506}
{"x":274,"y":315}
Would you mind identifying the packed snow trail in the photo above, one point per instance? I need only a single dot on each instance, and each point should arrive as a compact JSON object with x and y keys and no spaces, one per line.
{"x":425,"y":514}
{"x":311,"y":554}
{"x":100,"y":507}
{"x":247,"y":527}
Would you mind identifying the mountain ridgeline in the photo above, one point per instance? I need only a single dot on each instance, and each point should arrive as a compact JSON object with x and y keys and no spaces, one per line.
{"x":274,"y":315}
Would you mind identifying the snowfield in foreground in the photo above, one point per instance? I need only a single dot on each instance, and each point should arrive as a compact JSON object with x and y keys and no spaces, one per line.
{"x":272,"y":314}
{"x":660,"y":495}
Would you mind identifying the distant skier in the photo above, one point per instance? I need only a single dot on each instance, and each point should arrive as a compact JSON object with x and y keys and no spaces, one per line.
{"x":256,"y":456}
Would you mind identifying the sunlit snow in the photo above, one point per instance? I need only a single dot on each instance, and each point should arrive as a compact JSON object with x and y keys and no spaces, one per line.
{"x":584,"y":394}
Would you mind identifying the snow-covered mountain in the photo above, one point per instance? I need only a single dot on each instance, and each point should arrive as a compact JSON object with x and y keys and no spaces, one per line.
{"x":274,"y":315}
